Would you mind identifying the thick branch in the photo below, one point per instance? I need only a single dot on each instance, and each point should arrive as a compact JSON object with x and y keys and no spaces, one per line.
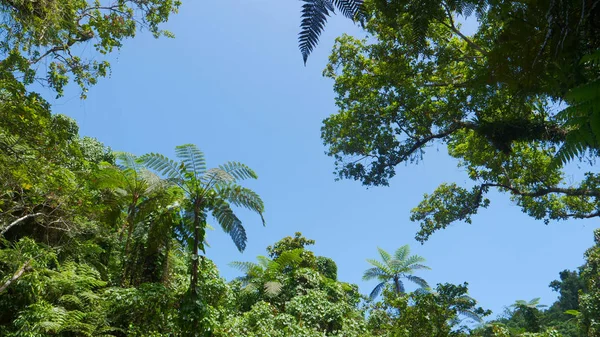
{"x":573,"y":192}
{"x":25,"y":217}
{"x":419,"y":143}
{"x":25,"y":268}
{"x":83,"y":36}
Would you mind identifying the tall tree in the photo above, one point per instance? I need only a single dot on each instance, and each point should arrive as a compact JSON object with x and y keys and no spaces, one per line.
{"x":490,"y":98}
{"x":391,"y":270}
{"x":208,"y":191}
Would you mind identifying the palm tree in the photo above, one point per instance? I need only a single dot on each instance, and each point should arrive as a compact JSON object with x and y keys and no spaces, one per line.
{"x":207,"y":191}
{"x":314,"y":16}
{"x":393,"y":270}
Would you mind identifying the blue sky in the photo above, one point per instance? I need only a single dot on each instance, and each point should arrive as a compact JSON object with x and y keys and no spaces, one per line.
{"x":233,"y":82}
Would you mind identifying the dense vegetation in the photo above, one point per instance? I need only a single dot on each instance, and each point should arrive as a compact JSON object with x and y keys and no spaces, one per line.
{"x":95,"y":242}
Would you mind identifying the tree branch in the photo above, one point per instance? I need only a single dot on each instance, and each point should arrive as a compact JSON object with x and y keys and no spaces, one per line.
{"x":573,"y":192}
{"x":453,"y":28}
{"x":18,"y":221}
{"x":25,"y":268}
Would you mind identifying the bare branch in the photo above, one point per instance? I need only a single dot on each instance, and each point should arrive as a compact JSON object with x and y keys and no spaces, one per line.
{"x":14,"y":223}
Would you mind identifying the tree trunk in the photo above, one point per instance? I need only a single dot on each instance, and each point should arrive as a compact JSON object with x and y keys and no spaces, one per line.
{"x":129,"y":224}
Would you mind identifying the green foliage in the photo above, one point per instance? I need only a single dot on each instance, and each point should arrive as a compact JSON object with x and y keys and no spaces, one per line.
{"x":54,"y":30}
{"x":437,"y":313}
{"x":292,"y":294}
{"x":489,"y":98}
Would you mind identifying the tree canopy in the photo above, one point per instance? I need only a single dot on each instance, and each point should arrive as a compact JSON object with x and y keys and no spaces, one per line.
{"x":492,"y":98}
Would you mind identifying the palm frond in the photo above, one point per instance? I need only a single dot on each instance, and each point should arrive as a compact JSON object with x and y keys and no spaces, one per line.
{"x":402,"y":253}
{"x":238,"y":170}
{"x":192,"y":157}
{"x":376,"y":291}
{"x":230,"y":224}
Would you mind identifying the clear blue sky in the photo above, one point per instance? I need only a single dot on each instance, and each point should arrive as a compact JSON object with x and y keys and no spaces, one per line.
{"x":233,"y":83}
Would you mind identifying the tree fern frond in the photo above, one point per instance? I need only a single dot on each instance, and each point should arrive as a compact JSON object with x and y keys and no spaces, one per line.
{"x":126,"y":160}
{"x":164,"y":166}
{"x":290,"y":257}
{"x":348,"y":8}
{"x":215,"y":177}
{"x":273,"y":288}
{"x":243,"y":266}
{"x":372,"y":273}
{"x":413,"y":260}
{"x":314,"y":16}
{"x":376,"y":291}
{"x":230,"y":224}
{"x":264,"y":262}
{"x":402,"y":253}
{"x":243,"y":197}
{"x":192,"y":157}
{"x":471,"y":315}
{"x":417,"y":280}
{"x":419,"y":266}
{"x":385,"y":268}
{"x":238,"y":170}
{"x":385,"y":256}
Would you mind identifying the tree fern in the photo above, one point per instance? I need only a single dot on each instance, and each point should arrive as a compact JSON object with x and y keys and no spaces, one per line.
{"x":314,"y":16}
{"x":393,"y":270}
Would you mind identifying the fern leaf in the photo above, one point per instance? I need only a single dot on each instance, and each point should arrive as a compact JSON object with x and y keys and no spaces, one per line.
{"x":231,"y":225}
{"x":377,"y":290}
{"x":314,"y":16}
{"x":348,"y":8}
{"x":164,"y":166}
{"x":402,"y":253}
{"x":243,"y":197}
{"x":192,"y":157}
{"x":238,"y":170}
{"x":273,"y":288}
{"x":385,"y":256}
